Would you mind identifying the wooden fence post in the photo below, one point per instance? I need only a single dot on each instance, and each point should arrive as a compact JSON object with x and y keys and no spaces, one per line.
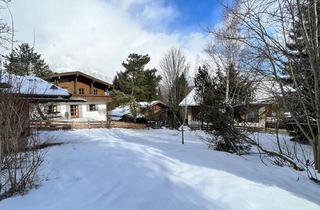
{"x":73,"y":125}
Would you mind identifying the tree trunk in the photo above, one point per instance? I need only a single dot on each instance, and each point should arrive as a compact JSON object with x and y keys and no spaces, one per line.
{"x":317,"y":155}
{"x":314,"y":148}
{"x":40,"y":112}
{"x":182,"y":136}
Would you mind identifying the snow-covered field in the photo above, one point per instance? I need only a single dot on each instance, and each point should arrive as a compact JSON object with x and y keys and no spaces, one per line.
{"x":119,"y":169}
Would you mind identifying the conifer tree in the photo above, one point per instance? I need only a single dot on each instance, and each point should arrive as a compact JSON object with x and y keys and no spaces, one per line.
{"x":217,"y":112}
{"x":25,"y":61}
{"x":137,"y":81}
{"x":298,"y":74}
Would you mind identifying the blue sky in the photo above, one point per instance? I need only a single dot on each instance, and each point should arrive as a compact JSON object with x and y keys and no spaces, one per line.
{"x":195,"y":14}
{"x":97,"y":35}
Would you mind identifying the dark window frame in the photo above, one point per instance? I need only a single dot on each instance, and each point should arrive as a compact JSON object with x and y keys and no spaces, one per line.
{"x":93,"y":107}
{"x":74,"y":110}
{"x":81,"y":91}
{"x":95,"y":91}
{"x":53,"y":108}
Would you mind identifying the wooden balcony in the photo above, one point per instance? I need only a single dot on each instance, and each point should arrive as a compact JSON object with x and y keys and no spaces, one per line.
{"x":92,"y":98}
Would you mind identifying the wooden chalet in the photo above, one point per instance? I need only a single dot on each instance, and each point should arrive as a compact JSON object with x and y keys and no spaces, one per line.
{"x":93,"y":91}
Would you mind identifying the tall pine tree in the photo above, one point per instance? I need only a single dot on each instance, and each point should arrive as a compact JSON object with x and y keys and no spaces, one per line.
{"x":137,"y":81}
{"x":25,"y":61}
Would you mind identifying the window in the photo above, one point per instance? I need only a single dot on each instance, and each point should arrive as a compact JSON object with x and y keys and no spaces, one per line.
{"x":81,"y":91}
{"x":95,"y":92}
{"x":52,"y":108}
{"x":74,"y":111}
{"x":253,"y":117}
{"x":93,"y":107}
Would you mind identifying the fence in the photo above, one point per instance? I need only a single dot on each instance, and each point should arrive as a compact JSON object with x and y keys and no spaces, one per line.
{"x":67,"y":125}
{"x":243,"y":127}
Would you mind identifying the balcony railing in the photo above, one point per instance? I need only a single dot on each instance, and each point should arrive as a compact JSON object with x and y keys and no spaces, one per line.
{"x":93,"y":97}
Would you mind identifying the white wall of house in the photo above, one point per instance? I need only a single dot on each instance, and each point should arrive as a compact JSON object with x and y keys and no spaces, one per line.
{"x":190,"y":119}
{"x":84,"y":111}
{"x":189,"y":116}
{"x":99,"y":114}
{"x":64,"y":110}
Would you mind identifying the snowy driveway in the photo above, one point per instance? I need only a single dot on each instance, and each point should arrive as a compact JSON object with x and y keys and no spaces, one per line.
{"x":119,"y":169}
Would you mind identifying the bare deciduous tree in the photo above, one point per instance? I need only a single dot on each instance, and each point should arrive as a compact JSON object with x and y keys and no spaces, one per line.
{"x":6,"y":32}
{"x":264,"y":27}
{"x":20,"y":157}
{"x":175,"y":68}
{"x":19,"y":160}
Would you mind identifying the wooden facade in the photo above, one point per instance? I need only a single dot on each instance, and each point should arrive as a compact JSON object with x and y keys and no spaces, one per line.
{"x":157,"y":111}
{"x":81,"y":85}
{"x":93,"y":92}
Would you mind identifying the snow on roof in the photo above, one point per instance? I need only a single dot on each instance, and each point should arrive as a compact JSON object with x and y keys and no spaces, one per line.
{"x":189,"y":100}
{"x":265,"y":90}
{"x":144,"y":104}
{"x":32,"y":85}
{"x":120,"y":111}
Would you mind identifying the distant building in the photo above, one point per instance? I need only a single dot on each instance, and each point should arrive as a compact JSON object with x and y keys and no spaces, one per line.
{"x":147,"y":111}
{"x":261,"y":112}
{"x":93,"y":92}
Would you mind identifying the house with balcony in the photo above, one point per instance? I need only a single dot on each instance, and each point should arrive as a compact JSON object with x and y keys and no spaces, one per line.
{"x":91,"y":93}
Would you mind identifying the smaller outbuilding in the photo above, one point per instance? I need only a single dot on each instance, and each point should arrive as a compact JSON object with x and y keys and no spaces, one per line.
{"x":33,"y":88}
{"x":154,"y":111}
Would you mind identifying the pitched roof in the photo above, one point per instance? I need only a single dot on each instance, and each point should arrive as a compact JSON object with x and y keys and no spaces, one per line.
{"x":268,"y":90}
{"x":190,"y":100}
{"x":120,"y":111}
{"x":73,"y":73}
{"x":144,"y":104}
{"x":265,"y":91}
{"x":31,"y":85}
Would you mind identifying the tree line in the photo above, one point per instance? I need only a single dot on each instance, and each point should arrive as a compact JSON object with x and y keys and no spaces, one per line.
{"x":135,"y":84}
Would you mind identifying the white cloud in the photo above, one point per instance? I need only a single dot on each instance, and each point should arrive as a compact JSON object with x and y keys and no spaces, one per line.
{"x":97,"y":35}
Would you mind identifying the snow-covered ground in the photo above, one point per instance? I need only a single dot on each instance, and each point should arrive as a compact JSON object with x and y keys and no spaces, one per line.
{"x":119,"y":169}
